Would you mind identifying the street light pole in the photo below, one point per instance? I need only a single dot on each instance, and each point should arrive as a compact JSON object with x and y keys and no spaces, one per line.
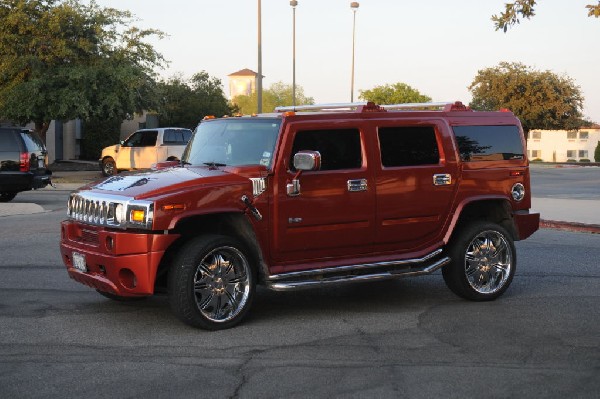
{"x":354,"y":6}
{"x":259,"y":77}
{"x":294,"y":3}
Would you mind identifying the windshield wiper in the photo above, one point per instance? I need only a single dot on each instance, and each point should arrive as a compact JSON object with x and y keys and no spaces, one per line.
{"x":214,"y":165}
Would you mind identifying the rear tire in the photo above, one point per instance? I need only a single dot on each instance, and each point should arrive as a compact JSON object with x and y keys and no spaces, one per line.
{"x":7,"y":196}
{"x":109,"y":167}
{"x":483,"y":263}
{"x":211,"y":282}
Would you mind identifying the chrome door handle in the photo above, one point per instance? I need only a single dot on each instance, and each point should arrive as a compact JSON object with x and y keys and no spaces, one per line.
{"x":442,"y":179}
{"x":357,"y":185}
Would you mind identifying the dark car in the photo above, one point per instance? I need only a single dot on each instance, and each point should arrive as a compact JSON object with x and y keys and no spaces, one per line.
{"x":23,"y":162}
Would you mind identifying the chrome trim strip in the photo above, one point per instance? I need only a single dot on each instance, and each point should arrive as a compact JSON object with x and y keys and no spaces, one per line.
{"x":259,"y":185}
{"x":347,"y":268}
{"x":338,"y":280}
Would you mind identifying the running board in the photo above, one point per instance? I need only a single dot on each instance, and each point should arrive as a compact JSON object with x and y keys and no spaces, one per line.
{"x":355,"y":274}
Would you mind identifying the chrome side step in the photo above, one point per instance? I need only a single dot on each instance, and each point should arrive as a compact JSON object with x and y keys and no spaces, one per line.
{"x":356,"y":273}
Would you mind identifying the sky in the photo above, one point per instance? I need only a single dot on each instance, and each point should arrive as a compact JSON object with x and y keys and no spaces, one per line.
{"x":435,"y":46}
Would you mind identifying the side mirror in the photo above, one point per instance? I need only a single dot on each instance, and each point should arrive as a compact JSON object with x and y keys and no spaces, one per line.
{"x":303,"y":160}
{"x":307,"y":160}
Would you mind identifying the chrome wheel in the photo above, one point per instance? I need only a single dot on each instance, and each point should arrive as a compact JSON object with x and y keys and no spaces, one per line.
{"x":483,"y":261}
{"x":488,"y":262}
{"x":108,"y":167}
{"x":222,"y":284}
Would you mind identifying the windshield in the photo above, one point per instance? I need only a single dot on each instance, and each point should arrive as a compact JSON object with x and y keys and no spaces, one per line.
{"x":233,"y":142}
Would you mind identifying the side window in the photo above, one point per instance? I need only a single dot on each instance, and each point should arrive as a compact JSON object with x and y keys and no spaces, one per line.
{"x":488,"y":143}
{"x":408,"y":146}
{"x":339,"y":149}
{"x":134,"y":140}
{"x":33,"y":142}
{"x":149,"y":139}
{"x":8,"y":141}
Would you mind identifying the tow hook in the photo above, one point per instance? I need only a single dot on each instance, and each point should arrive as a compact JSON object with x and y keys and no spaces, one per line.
{"x":248,"y":202}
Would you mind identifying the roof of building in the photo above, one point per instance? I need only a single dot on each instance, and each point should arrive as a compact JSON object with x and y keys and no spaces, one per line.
{"x":244,"y":72}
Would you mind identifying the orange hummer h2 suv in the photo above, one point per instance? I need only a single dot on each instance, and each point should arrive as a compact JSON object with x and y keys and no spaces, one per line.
{"x":310,"y":196}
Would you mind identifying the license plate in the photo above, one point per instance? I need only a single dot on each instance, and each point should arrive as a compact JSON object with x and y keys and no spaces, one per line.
{"x":79,"y":262}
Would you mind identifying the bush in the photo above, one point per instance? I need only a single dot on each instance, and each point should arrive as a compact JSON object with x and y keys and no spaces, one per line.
{"x":537,"y":160}
{"x":597,"y":153}
{"x":584,"y":160}
{"x":571,"y":160}
{"x":98,"y":134}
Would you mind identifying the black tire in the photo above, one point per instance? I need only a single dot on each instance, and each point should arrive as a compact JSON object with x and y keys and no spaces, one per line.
{"x":7,"y":196}
{"x":119,"y":298}
{"x":483,"y":263}
{"x":109,"y":167}
{"x":211,"y":282}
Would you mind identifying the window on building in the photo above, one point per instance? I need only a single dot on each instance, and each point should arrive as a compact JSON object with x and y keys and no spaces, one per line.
{"x":584,"y":135}
{"x":339,"y":149}
{"x":571,"y":154}
{"x":489,"y":143}
{"x":535,"y":154}
{"x":583,"y":154}
{"x":572,"y":135}
{"x":536,"y":135}
{"x":408,"y":146}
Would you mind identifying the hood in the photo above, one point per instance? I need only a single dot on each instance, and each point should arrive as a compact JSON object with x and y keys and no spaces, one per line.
{"x":110,"y":150}
{"x":152,"y":183}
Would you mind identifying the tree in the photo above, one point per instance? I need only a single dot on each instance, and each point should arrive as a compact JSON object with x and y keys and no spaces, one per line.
{"x":541,"y":99}
{"x":279,"y":94}
{"x":597,"y":153}
{"x":524,"y":8}
{"x":398,"y":93}
{"x":63,"y":60}
{"x":184,"y":103}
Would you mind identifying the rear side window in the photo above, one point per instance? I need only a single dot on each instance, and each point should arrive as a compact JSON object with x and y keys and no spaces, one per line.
{"x":8,"y":141}
{"x":488,"y":143}
{"x":33,"y":142}
{"x":177,"y":136}
{"x":408,"y":146}
{"x":339,"y":149}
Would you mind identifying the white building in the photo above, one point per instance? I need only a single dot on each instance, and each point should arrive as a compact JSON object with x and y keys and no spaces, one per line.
{"x":563,"y":145}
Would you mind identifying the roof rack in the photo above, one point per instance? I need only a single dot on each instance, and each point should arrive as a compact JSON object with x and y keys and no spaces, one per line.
{"x":372,"y":107}
{"x":321,"y":107}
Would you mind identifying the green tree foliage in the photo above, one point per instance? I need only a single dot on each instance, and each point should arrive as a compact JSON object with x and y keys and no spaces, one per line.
{"x":279,"y":94}
{"x":597,"y":153}
{"x":185,"y":102}
{"x":397,"y":93}
{"x":60,"y":59}
{"x":99,"y":133}
{"x":541,"y":99}
{"x":524,"y":9}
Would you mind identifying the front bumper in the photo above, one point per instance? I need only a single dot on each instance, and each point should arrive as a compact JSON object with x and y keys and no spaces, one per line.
{"x":118,"y":262}
{"x":526,"y":222}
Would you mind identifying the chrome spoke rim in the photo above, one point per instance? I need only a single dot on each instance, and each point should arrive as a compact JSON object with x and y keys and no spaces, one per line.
{"x":488,"y":262}
{"x":222,"y":284}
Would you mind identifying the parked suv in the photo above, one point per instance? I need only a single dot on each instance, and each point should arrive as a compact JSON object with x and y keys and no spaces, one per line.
{"x":23,"y":162}
{"x":310,"y":196}
{"x":144,"y":148}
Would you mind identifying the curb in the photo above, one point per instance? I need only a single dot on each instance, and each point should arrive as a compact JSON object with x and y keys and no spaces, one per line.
{"x":570,"y":226}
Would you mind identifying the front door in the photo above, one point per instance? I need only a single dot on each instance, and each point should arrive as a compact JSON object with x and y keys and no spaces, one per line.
{"x":333,"y":214}
{"x":138,"y":151}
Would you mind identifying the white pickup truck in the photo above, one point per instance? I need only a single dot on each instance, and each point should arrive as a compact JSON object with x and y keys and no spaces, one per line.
{"x":144,"y":148}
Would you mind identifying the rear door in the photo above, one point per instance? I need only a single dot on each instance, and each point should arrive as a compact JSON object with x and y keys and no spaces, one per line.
{"x":416,"y":183}
{"x":38,"y":159}
{"x":10,"y":150}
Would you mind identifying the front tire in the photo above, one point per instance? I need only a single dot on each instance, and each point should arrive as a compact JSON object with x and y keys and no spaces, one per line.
{"x":109,"y":167}
{"x":483,"y":263}
{"x":7,"y":196}
{"x":211,"y":282}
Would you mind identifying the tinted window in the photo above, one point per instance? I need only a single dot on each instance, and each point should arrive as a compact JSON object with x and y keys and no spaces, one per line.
{"x":33,"y":142}
{"x":8,"y":141}
{"x":488,"y":143}
{"x":142,"y":139}
{"x":408,"y":146}
{"x":339,"y":149}
{"x":177,"y":136}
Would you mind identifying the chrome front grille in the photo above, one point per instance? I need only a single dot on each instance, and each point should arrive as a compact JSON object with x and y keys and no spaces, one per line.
{"x":108,"y":210}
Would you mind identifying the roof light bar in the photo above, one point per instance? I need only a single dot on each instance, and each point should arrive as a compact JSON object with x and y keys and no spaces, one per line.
{"x":416,"y":105}
{"x":321,"y":107}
